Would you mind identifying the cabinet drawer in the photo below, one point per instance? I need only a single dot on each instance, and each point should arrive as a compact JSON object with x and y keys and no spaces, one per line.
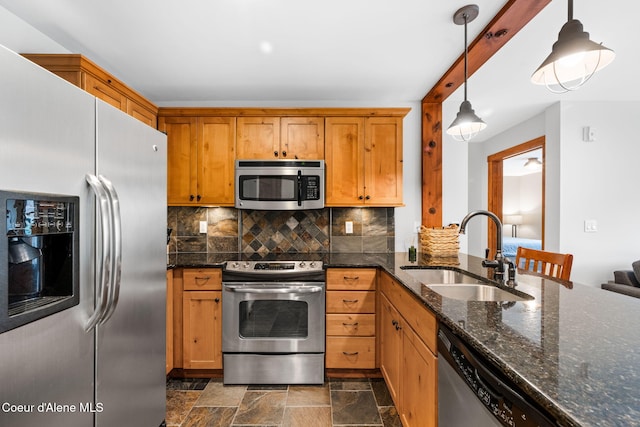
{"x":351,"y":279}
{"x":363,"y":325}
{"x":355,"y":353}
{"x":351,"y":302}
{"x":202,"y":279}
{"x":419,"y":317}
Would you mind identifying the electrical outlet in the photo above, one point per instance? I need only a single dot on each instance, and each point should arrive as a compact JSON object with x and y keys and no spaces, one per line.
{"x":348,"y":227}
{"x":203,"y":227}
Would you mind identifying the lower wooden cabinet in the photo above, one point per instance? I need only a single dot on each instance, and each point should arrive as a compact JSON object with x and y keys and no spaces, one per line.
{"x":408,"y":362}
{"x":351,"y":319}
{"x":202,"y":330}
{"x":200,"y":313}
{"x":169,"y":323}
{"x":419,"y":401}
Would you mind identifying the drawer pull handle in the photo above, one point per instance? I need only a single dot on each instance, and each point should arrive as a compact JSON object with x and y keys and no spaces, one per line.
{"x":348,"y":301}
{"x":350,"y":324}
{"x":350,"y":353}
{"x":205,"y":278}
{"x":351,"y":278}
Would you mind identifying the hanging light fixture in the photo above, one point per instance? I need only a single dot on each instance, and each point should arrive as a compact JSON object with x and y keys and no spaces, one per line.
{"x":467,"y":124}
{"x":573,"y":59}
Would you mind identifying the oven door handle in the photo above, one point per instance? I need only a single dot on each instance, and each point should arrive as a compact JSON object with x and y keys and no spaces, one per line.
{"x":274,"y":290}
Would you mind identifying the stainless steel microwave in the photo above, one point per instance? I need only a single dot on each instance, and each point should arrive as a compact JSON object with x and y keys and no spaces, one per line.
{"x":279,"y":184}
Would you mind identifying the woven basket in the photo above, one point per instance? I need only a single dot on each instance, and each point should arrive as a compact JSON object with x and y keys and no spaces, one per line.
{"x":440,"y":242}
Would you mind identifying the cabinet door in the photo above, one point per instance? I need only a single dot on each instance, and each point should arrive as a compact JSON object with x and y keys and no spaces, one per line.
{"x":302,"y":138}
{"x":182,"y":159}
{"x":216,"y":158}
{"x":419,"y":383}
{"x":344,"y":145}
{"x":103,"y":91}
{"x":169,"y":322}
{"x":258,"y":138}
{"x":202,"y":329}
{"x":383,"y":161}
{"x":390,"y":347}
{"x":139,"y":112}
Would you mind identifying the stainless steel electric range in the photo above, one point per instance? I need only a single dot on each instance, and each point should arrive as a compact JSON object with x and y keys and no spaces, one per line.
{"x":273,"y":322}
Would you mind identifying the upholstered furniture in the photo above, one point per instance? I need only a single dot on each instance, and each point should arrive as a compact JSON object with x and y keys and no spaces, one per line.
{"x":625,"y":281}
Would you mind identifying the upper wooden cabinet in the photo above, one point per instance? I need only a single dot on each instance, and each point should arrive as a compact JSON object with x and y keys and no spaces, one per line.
{"x":201,"y":154}
{"x":364,"y":161}
{"x":280,"y":138}
{"x":83,"y":73}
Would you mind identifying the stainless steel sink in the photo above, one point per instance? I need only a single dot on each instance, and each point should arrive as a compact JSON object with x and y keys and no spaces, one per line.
{"x":440,"y":276}
{"x":458,"y":285}
{"x":474,"y":292}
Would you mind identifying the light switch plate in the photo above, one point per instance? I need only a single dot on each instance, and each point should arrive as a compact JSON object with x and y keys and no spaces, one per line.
{"x":590,"y":226}
{"x":203,"y":226}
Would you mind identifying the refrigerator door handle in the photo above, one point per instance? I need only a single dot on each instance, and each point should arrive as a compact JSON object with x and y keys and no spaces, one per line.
{"x":104,"y":262}
{"x":116,"y":248}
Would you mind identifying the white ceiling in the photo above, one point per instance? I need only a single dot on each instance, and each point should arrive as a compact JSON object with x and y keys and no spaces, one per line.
{"x":294,"y":52}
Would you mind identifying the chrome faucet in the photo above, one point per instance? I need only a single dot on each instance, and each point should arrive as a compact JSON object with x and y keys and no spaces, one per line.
{"x":499,"y":261}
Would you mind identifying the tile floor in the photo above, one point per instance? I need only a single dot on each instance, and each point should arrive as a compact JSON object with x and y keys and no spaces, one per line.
{"x":339,"y":402}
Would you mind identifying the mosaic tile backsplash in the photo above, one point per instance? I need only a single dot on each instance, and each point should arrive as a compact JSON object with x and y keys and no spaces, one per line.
{"x":264,"y":232}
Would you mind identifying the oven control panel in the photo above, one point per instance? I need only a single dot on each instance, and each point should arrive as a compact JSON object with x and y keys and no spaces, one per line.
{"x":274,"y":266}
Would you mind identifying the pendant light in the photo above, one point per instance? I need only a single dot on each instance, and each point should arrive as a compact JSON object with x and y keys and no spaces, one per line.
{"x":573,"y":60}
{"x":467,"y":124}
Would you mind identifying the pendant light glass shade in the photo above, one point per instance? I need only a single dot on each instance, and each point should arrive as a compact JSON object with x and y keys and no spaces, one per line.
{"x":466,"y":124}
{"x":573,"y":60}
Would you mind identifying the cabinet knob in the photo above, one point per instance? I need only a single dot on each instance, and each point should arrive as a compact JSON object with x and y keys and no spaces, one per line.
{"x":284,"y":154}
{"x":368,"y":197}
{"x":360,"y":197}
{"x":217,"y":300}
{"x":275,"y":153}
{"x":199,"y":197}
{"x":191,"y":197}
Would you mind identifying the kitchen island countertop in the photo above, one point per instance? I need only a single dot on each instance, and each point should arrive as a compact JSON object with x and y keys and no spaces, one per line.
{"x":574,"y":349}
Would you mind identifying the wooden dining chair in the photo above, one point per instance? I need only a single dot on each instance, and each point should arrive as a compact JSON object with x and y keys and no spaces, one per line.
{"x":547,"y":263}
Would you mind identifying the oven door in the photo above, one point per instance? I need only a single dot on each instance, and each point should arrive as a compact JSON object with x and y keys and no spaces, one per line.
{"x":273,"y":317}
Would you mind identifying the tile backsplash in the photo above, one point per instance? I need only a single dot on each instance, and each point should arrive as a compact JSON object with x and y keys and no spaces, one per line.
{"x":263,"y":232}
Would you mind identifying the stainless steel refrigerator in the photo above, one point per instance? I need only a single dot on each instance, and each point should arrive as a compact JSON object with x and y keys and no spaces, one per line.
{"x":55,"y":371}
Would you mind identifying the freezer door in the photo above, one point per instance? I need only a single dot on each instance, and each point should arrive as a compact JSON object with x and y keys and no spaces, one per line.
{"x":47,"y":145}
{"x":130,"y":355}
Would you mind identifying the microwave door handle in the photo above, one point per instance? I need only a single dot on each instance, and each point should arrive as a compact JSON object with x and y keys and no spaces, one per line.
{"x":104,"y":262}
{"x":116,"y":248}
{"x":299,"y":188}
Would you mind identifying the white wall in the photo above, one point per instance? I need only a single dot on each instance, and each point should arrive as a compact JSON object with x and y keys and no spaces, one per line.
{"x":19,"y":36}
{"x":599,"y":181}
{"x":478,"y":175}
{"x":523,"y":195}
{"x":584,"y":181}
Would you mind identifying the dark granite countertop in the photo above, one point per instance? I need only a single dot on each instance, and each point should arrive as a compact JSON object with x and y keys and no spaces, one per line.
{"x":574,"y":349}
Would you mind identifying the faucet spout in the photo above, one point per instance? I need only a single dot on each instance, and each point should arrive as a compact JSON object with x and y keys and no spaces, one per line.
{"x":499,"y":260}
{"x":496,"y":220}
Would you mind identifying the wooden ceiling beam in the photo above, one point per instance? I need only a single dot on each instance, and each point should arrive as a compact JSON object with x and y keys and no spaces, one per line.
{"x":507,"y":23}
{"x":513,"y":16}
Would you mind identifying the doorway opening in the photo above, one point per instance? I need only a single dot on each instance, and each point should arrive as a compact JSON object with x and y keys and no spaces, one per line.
{"x":523,"y":214}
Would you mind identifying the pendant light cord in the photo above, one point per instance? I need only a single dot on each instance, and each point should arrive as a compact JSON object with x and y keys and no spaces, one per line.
{"x":465,"y":55}
{"x":570,"y":12}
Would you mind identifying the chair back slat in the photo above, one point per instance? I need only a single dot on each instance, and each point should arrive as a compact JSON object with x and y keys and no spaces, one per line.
{"x":546,"y":263}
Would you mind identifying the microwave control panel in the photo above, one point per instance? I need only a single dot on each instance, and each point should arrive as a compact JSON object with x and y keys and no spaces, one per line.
{"x":312,"y":187}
